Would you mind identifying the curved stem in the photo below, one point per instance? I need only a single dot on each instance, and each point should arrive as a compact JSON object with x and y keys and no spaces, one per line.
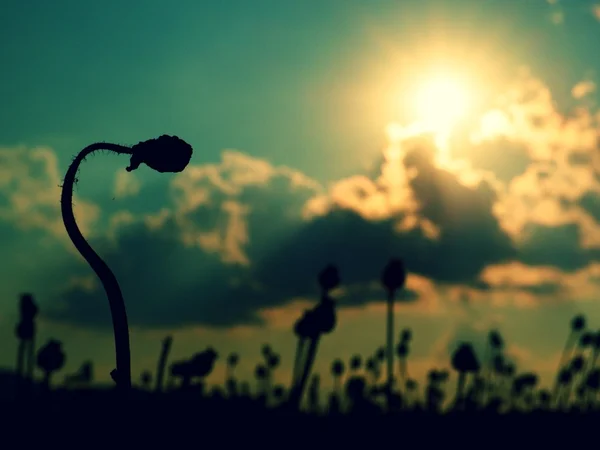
{"x":109,"y":282}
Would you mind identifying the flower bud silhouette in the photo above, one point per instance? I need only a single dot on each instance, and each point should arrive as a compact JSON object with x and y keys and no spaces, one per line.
{"x":273,"y":361}
{"x":586,"y":340}
{"x":324,"y":316}
{"x":25,"y":332}
{"x":355,"y":362}
{"x":394,"y":275}
{"x":464,"y":361}
{"x":165,"y":154}
{"x":329,"y":278}
{"x":578,"y":323}
{"x":337,"y":370}
{"x":50,"y":359}
{"x":577,"y":364}
{"x":406,"y":335}
{"x":203,"y":363}
{"x":309,"y":328}
{"x":495,"y":340}
{"x":392,"y":279}
{"x":233,"y":359}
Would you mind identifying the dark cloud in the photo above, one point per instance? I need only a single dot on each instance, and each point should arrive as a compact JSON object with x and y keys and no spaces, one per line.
{"x":590,"y":202}
{"x":557,"y":246}
{"x":166,"y":283}
{"x":169,"y":283}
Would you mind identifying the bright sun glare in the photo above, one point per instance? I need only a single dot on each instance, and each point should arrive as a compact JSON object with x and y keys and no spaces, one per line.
{"x":440,"y":102}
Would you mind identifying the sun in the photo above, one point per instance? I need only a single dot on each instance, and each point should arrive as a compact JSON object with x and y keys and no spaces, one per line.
{"x":440,"y":102}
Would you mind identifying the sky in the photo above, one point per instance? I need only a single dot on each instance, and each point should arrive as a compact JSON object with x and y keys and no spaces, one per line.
{"x":460,"y":136}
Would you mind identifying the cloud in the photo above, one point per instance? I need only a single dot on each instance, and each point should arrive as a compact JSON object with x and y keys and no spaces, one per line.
{"x":596,"y":11}
{"x":30,"y":193}
{"x":126,"y":185}
{"x":511,"y":211}
{"x":190,"y":263}
{"x":583,"y":88}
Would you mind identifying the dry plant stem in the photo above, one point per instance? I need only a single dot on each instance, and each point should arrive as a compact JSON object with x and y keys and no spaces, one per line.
{"x":571,"y":339}
{"x":298,"y":360}
{"x":109,"y":282}
{"x":390,"y":347}
{"x":162,"y":363}
{"x":300,"y":385}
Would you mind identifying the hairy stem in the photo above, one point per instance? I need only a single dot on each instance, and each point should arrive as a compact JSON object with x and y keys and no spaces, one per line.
{"x":107,"y":278}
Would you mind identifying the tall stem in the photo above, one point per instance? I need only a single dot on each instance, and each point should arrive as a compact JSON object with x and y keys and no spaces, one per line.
{"x":162,"y":363}
{"x":390,"y":346}
{"x":298,"y":389}
{"x":107,"y":278}
{"x":298,"y":360}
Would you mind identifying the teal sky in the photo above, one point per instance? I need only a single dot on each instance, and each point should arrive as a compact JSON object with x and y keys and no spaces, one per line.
{"x":309,"y":85}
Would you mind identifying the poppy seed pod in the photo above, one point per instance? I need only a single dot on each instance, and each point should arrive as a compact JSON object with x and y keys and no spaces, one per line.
{"x":464,"y":359}
{"x":394,"y":275}
{"x":164,"y":154}
{"x":325,"y":318}
{"x":578,"y":323}
{"x":51,"y":357}
{"x":329,"y":278}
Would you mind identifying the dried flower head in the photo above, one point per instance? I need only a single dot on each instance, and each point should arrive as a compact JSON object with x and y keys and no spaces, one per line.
{"x":164,"y":154}
{"x":394,"y":275}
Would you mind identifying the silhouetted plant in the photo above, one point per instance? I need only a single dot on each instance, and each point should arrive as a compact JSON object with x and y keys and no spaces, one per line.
{"x":393,"y":278}
{"x":355,"y":363}
{"x":146,"y":379}
{"x":544,"y":399}
{"x":261,"y":375}
{"x":586,"y":340}
{"x":165,"y":154}
{"x":50,"y":359}
{"x":83,"y":376}
{"x":595,"y":349}
{"x":337,"y":370}
{"x":577,"y":327}
{"x":355,"y":391}
{"x":232,"y":361}
{"x":464,"y":361}
{"x":522,"y":386}
{"x":494,"y":348}
{"x":162,"y":362}
{"x":245,"y":389}
{"x":564,"y":380}
{"x":402,"y":351}
{"x":372,"y":368}
{"x":230,"y":380}
{"x":380,"y":354}
{"x":313,"y":394}
{"x":311,"y":326}
{"x":434,"y":394}
{"x":25,"y":332}
{"x":279,"y":394}
{"x":593,"y":385}
{"x":199,"y":366}
{"x":266,"y":351}
{"x":272,"y":361}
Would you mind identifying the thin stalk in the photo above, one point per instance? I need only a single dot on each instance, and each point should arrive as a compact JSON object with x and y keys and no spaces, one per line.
{"x":106,"y":276}
{"x":390,"y":347}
